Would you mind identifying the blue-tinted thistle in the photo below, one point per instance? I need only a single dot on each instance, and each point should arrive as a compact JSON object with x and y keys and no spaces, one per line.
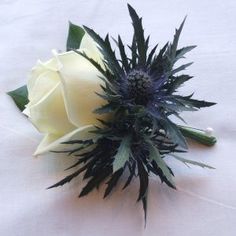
{"x":141,"y":93}
{"x":144,"y":84}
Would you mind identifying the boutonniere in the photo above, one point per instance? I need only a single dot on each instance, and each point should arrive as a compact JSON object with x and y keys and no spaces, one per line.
{"x":114,"y":110}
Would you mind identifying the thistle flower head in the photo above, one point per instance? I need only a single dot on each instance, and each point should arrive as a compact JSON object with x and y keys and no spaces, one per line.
{"x":138,"y":87}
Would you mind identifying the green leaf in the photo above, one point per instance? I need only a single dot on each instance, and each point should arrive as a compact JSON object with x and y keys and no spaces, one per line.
{"x":176,"y":39}
{"x":176,"y":106}
{"x":139,"y":35}
{"x":143,"y":180}
{"x":68,"y":178}
{"x":123,"y":54}
{"x":176,"y":82}
{"x":183,"y":67}
{"x":151,"y":54}
{"x":75,"y":35}
{"x":181,"y":52}
{"x":109,"y":97}
{"x":144,"y":202}
{"x":186,"y":162}
{"x":161,"y":52}
{"x":106,"y":50}
{"x":159,"y":62}
{"x":113,"y":182}
{"x":95,"y":181}
{"x":131,"y":175}
{"x":122,"y":155}
{"x":187,"y":100}
{"x":134,"y":55}
{"x":107,"y":108}
{"x":154,"y":154}
{"x":174,"y":133}
{"x":20,"y":97}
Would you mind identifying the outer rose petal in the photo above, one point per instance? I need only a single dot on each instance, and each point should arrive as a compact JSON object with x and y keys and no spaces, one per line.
{"x":80,"y":80}
{"x":49,"y":114}
{"x":53,"y":142}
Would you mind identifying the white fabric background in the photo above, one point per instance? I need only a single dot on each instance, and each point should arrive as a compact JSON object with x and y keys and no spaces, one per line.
{"x":205,"y":203}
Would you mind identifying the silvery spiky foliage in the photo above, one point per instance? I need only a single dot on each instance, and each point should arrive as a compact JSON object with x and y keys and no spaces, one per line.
{"x":140,"y":88}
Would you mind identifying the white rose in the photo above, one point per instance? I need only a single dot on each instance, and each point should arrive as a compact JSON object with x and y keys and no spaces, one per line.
{"x":62,"y":96}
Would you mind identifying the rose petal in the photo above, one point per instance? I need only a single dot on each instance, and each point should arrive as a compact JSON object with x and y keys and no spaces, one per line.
{"x":52,"y":142}
{"x":37,"y":72}
{"x":43,"y":85}
{"x":49,"y":114}
{"x":80,"y":80}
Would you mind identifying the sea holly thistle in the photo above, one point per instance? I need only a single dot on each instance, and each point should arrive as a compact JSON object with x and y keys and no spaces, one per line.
{"x":141,"y":91}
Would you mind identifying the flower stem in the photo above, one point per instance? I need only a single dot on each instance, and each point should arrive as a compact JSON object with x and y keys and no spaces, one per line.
{"x":197,"y":135}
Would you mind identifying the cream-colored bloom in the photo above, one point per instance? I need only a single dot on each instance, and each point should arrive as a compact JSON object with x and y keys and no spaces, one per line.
{"x":62,"y":96}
